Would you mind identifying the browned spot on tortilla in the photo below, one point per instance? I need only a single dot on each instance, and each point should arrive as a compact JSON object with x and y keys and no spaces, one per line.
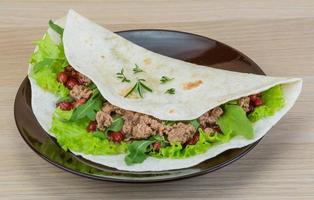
{"x":102,"y":56}
{"x":147,"y":61}
{"x":172,"y":111}
{"x":124,"y":91}
{"x":191,"y":85}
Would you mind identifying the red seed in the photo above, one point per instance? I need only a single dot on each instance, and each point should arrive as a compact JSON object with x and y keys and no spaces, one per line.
{"x":156,"y":146}
{"x":65,"y":105}
{"x":62,"y":77}
{"x":258,"y":102}
{"x":79,"y":102}
{"x":116,"y":137}
{"x":193,"y":140}
{"x":253,"y":98}
{"x":69,"y":68}
{"x":251,"y":108}
{"x":92,"y":126}
{"x":74,"y":74}
{"x":70,"y":71}
{"x":71,"y":83}
{"x":217,"y":129}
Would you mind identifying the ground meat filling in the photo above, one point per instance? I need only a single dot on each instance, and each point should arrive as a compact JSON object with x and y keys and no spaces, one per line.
{"x":80,"y":91}
{"x":103,"y":120}
{"x":209,"y":131}
{"x":141,"y":126}
{"x":180,"y":132}
{"x":244,"y":102}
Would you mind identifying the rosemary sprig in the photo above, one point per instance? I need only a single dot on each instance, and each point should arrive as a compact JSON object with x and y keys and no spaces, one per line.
{"x":120,"y":75}
{"x":137,"y":69}
{"x":170,"y":91}
{"x":139,"y":88}
{"x":165,"y":79}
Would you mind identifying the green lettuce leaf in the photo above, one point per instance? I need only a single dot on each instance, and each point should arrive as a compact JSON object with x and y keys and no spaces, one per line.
{"x":273,"y":99}
{"x":235,"y":122}
{"x":137,"y":151}
{"x":87,"y":109}
{"x":74,"y":136}
{"x":116,"y":125}
{"x":47,"y":61}
{"x":177,"y":151}
{"x":195,"y":123}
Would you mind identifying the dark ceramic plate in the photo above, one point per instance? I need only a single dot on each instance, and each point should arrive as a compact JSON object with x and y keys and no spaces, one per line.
{"x":184,"y":46}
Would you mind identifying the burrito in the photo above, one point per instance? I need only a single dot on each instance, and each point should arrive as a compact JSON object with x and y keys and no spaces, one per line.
{"x":118,"y":104}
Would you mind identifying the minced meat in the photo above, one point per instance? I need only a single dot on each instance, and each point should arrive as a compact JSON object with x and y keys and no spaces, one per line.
{"x":141,"y":126}
{"x":244,"y":102}
{"x":209,"y":118}
{"x":180,"y":132}
{"x":103,"y":120}
{"x":141,"y":130}
{"x":80,"y":91}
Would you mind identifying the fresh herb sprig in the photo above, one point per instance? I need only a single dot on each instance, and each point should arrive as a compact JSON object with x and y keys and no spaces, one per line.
{"x":139,"y":88}
{"x":137,"y":69}
{"x":56,"y":27}
{"x":88,"y":109}
{"x":116,"y":125}
{"x":66,"y":99}
{"x":170,"y":91}
{"x":165,"y":79}
{"x":120,"y":75}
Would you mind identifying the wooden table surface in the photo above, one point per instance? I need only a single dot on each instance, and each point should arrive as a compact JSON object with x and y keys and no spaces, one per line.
{"x":278,"y":35}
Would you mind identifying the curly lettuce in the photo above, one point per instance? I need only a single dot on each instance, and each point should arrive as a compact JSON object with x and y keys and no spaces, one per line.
{"x":47,"y":61}
{"x":273,"y":100}
{"x":235,"y":122}
{"x":74,"y":136}
{"x":176,"y":150}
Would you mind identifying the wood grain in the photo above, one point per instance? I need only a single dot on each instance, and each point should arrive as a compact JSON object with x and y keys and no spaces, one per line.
{"x":278,"y":35}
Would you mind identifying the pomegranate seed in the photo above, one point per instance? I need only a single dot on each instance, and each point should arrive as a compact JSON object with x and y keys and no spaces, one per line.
{"x":74,"y":74}
{"x":92,"y":126}
{"x":258,"y":102}
{"x":69,"y":68}
{"x":193,"y":140}
{"x":116,"y":137}
{"x":156,"y":146}
{"x":253,"y":98}
{"x":251,"y":108}
{"x":62,"y":77}
{"x":217,"y":129}
{"x":65,"y":105}
{"x":79,"y":102}
{"x":71,"y":71}
{"x":71,"y":83}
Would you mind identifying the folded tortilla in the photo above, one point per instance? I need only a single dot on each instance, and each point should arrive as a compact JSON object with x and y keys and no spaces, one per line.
{"x":99,"y":54}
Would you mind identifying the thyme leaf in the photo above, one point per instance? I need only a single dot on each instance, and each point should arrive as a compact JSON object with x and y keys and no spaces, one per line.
{"x":139,"y":88}
{"x":165,"y":79}
{"x":137,"y":69}
{"x":170,"y":91}
{"x":120,"y":75}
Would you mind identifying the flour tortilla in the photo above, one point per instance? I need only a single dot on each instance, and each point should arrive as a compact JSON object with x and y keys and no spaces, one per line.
{"x":100,"y":54}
